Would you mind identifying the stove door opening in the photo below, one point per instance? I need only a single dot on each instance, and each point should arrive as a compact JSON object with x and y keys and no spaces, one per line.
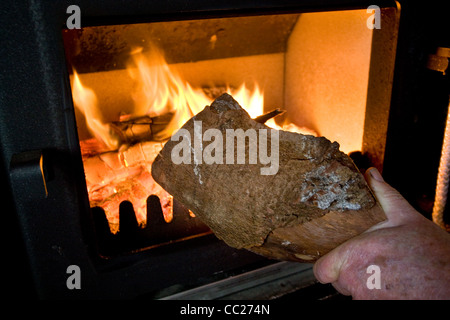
{"x":134,"y":85}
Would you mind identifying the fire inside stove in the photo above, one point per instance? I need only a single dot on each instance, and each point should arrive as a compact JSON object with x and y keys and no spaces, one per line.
{"x":133,"y":86}
{"x":118,"y":158}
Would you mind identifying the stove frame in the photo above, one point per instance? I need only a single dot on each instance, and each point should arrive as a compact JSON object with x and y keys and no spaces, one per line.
{"x":46,"y":200}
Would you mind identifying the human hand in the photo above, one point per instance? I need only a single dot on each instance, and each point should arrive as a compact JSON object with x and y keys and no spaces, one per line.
{"x":411,"y":252}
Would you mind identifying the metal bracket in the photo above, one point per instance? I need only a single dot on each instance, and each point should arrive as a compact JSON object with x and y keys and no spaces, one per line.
{"x":439,"y":61}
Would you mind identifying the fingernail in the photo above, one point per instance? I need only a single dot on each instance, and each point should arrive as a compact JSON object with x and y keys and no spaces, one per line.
{"x":374,"y":173}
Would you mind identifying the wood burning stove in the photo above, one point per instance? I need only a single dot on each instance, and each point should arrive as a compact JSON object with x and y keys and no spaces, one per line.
{"x":312,"y":59}
{"x":134,"y":85}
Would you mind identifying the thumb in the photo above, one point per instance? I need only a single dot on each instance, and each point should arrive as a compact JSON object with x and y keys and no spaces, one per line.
{"x":396,"y":208}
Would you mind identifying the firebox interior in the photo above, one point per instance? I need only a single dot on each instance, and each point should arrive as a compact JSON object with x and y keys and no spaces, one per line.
{"x":313,"y":65}
{"x":309,"y":64}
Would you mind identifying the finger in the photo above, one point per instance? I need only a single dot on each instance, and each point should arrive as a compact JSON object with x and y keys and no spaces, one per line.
{"x":397,"y":209}
{"x":328,"y":267}
{"x":325,"y":271}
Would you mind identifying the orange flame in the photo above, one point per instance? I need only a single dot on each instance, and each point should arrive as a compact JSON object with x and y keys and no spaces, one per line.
{"x":85,"y":100}
{"x":160,"y":90}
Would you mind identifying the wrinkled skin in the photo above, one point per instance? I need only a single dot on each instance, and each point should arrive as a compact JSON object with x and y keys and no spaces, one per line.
{"x":413,"y":254}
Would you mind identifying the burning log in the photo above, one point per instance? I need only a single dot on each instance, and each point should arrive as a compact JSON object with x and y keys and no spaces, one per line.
{"x":139,"y":129}
{"x":103,"y":168}
{"x":316,"y":200}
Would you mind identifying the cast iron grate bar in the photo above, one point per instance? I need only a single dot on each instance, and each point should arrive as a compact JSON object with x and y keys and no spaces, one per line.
{"x":157,"y":232}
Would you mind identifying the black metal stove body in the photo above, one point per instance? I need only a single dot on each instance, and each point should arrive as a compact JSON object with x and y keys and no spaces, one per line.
{"x":46,"y":199}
